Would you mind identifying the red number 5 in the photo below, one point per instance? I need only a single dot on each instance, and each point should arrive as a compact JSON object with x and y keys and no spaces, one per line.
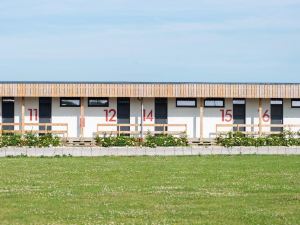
{"x":226,"y":115}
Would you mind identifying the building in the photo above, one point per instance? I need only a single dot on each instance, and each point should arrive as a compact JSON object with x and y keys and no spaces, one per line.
{"x":201,"y":110}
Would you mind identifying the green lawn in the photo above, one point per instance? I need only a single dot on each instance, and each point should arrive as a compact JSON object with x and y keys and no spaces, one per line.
{"x":150,"y":190}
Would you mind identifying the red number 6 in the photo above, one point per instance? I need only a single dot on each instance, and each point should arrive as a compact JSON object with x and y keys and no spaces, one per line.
{"x":266,"y":116}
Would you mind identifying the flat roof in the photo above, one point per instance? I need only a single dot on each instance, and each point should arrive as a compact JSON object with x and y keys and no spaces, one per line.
{"x":148,"y":89}
{"x":142,"y":82}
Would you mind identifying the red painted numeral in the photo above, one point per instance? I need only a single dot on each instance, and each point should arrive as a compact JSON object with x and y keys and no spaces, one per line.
{"x":266,"y":116}
{"x":31,"y":114}
{"x":226,"y":115}
{"x":110,"y":115}
{"x":36,"y":114}
{"x":148,"y":116}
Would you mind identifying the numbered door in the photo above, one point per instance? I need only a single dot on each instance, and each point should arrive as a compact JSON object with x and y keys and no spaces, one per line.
{"x":276,"y":113}
{"x":161,"y":113}
{"x":45,"y":112}
{"x":123,"y":113}
{"x":239,"y":113}
{"x":8,"y":112}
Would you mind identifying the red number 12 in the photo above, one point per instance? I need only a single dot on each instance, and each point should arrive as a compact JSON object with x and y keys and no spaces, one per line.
{"x":113,"y":113}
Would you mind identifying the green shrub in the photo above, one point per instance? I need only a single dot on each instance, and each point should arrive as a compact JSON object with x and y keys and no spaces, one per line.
{"x":48,"y":140}
{"x":11,"y":140}
{"x":150,"y":141}
{"x":31,"y":140}
{"x":285,"y":138}
{"x":164,"y":140}
{"x":117,"y":141}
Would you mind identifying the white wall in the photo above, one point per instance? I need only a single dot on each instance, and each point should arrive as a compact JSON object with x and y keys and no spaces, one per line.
{"x":1,"y":110}
{"x":213,"y":116}
{"x":184,"y":115}
{"x":18,"y":111}
{"x":135,"y":113}
{"x":291,"y":115}
{"x":97,"y":115}
{"x":252,"y":113}
{"x":266,"y":110}
{"x":68,"y":115}
{"x":189,"y":116}
{"x":31,"y":104}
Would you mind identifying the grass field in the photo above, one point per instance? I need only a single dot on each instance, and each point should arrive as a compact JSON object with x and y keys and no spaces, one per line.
{"x":151,"y":190}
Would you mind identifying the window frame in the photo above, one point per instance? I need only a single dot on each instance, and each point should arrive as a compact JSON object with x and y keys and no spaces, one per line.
{"x":295,"y":99}
{"x":100,"y":98}
{"x":214,"y":99}
{"x":69,"y":98}
{"x":186,"y":99}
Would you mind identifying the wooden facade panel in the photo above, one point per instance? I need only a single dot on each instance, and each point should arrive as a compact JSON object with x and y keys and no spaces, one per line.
{"x":203,"y":90}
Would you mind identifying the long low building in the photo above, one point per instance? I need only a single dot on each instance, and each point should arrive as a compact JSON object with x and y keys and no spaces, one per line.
{"x":199,"y":110}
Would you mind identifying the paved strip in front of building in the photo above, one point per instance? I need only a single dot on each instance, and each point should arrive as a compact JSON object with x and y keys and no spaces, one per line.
{"x":137,"y":151}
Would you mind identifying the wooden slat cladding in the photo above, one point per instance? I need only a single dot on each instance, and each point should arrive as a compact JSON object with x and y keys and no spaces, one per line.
{"x":200,"y":90}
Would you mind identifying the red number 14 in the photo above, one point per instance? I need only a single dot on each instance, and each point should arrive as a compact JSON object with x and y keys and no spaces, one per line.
{"x":148,"y":116}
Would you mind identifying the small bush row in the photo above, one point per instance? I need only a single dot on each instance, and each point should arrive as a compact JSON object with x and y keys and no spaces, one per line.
{"x":285,"y":138}
{"x":30,"y":140}
{"x":150,"y":141}
{"x":117,"y":141}
{"x":165,"y":140}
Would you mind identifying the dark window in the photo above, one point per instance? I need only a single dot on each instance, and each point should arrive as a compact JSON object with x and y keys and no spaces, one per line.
{"x":8,"y":112}
{"x":69,"y":102}
{"x":239,"y":113}
{"x":161,"y":112}
{"x":214,"y":103}
{"x":98,"y":102}
{"x":123,"y":113}
{"x":295,"y":103}
{"x":45,"y":112}
{"x":276,"y":114}
{"x":186,"y":102}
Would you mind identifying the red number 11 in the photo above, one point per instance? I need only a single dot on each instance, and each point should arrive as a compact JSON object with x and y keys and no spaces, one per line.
{"x":35,"y":114}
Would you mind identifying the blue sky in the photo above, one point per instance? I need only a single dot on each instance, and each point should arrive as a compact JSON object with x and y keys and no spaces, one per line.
{"x":157,"y":40}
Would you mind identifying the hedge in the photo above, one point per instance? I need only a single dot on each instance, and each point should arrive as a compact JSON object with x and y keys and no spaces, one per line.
{"x":285,"y":138}
{"x":149,"y":141}
{"x":31,"y":140}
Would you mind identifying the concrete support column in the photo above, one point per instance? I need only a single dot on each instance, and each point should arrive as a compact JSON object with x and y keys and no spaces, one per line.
{"x":82,"y":119}
{"x":201,"y":118}
{"x":23,"y":115}
{"x":260,"y":116}
{"x":142,"y":118}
